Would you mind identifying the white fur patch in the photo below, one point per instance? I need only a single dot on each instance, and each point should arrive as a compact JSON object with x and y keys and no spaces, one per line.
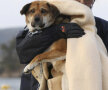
{"x":29,"y":67}
{"x":29,"y":24}
{"x":47,"y":20}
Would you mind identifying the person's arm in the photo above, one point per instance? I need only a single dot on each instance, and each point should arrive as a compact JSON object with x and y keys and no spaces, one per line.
{"x":28,"y":45}
{"x":71,"y":30}
{"x":102,"y":30}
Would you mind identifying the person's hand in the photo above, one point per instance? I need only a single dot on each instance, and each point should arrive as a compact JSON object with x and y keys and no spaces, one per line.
{"x":72,"y":30}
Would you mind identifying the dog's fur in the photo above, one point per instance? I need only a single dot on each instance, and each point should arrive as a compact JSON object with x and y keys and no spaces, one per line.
{"x":47,"y":15}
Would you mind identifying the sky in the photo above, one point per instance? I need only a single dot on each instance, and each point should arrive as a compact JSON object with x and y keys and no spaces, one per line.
{"x":10,"y":12}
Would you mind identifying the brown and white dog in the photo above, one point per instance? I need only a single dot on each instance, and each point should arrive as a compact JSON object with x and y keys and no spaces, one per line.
{"x":39,"y":15}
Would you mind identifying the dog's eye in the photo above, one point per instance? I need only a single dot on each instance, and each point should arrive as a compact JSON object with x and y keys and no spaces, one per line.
{"x":32,"y":11}
{"x":43,"y":11}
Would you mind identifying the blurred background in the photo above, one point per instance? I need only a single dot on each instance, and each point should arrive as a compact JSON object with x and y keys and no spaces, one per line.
{"x":11,"y":22}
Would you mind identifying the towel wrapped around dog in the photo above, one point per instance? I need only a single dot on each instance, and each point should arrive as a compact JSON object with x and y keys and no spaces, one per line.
{"x":86,"y":66}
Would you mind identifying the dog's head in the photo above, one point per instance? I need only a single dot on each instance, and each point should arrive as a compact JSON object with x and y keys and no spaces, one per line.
{"x":39,"y":14}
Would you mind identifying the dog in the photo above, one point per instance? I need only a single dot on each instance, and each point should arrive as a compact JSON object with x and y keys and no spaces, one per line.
{"x":39,"y":15}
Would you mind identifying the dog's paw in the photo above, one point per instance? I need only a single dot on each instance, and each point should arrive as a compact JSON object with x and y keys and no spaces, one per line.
{"x":28,"y":69}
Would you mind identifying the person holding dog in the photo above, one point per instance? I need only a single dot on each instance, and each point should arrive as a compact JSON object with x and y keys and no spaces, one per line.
{"x":28,"y":82}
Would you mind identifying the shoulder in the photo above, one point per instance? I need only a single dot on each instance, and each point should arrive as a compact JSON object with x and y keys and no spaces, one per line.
{"x":100,"y":19}
{"x":102,"y":30}
{"x":102,"y":26}
{"x":101,"y":23}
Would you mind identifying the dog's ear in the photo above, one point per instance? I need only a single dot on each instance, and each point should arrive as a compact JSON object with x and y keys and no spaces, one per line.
{"x":54,"y":9}
{"x":25,"y":9}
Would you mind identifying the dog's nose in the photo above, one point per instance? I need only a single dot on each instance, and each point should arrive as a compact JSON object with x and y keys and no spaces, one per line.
{"x":37,"y":18}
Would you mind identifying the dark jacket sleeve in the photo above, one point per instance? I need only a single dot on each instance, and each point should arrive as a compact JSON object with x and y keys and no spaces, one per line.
{"x":102,"y":30}
{"x":29,"y":45}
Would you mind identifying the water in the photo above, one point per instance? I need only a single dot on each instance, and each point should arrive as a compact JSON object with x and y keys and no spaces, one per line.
{"x":14,"y":83}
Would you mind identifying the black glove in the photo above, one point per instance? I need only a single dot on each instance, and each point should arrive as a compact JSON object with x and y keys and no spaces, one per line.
{"x":72,"y":30}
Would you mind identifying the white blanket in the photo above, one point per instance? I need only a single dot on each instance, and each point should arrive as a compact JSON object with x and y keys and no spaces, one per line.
{"x":86,"y":65}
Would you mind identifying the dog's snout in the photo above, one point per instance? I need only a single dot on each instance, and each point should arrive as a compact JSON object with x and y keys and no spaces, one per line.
{"x":37,"y":18}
